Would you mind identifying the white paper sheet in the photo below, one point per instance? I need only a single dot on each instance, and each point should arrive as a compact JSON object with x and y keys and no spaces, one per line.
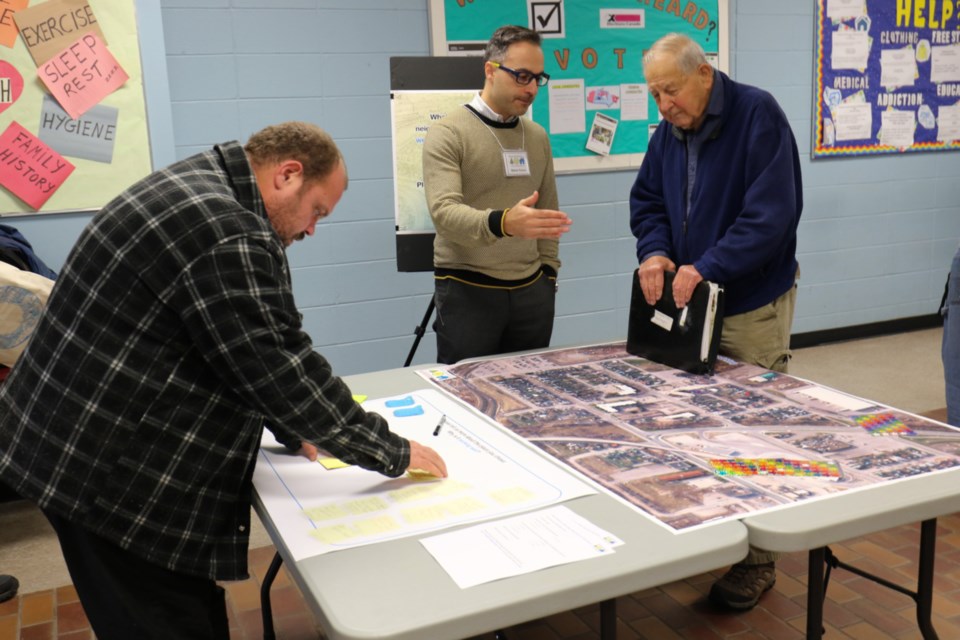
{"x":948,"y":123}
{"x":634,"y":102}
{"x":945,"y":64}
{"x":567,"y":106}
{"x":897,"y":127}
{"x":517,"y":545}
{"x":898,"y":67}
{"x":854,"y":121}
{"x":850,"y":50}
{"x":492,"y":473}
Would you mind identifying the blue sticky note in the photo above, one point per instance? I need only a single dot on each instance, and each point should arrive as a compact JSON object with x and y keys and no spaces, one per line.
{"x":407,"y":412}
{"x":400,"y":402}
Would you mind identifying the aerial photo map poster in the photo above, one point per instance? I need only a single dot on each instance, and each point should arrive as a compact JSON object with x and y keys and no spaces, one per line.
{"x":690,"y":449}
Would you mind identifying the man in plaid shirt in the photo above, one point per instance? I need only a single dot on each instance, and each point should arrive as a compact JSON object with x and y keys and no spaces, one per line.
{"x":134,"y":417}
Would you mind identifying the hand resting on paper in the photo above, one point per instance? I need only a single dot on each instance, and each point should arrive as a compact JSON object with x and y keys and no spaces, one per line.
{"x":308,"y":451}
{"x":425,"y":461}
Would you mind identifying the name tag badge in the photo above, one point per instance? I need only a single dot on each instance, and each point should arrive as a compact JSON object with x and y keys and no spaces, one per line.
{"x":515,"y":164}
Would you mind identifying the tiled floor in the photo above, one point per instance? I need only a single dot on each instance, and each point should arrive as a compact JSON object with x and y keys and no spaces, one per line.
{"x":855,"y":609}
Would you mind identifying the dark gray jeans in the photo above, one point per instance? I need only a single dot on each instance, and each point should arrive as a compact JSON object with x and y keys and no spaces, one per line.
{"x":475,"y":321}
{"x":125,"y":596}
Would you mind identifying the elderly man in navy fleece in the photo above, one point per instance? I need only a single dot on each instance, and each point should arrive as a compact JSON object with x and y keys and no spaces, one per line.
{"x":718,"y":197}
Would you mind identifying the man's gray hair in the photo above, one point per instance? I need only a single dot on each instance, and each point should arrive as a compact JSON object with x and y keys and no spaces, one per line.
{"x":505,"y":36}
{"x":683,"y":50}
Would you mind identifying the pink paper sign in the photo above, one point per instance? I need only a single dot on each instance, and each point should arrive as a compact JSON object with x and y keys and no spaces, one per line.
{"x":11,"y":85}
{"x":29,"y":168}
{"x":82,"y":75}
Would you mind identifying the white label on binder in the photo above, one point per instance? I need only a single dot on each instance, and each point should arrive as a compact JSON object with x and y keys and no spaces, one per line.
{"x":662,"y":320}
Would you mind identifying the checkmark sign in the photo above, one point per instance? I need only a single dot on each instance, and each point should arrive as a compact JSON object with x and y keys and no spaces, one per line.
{"x":543,"y":20}
{"x":547,"y":17}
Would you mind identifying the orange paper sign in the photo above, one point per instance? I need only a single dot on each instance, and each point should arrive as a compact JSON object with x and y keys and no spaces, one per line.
{"x":8,"y":28}
{"x":82,"y":75}
{"x":29,"y":168}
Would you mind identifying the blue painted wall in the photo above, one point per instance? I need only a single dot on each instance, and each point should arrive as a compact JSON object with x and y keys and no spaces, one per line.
{"x":876,"y":237}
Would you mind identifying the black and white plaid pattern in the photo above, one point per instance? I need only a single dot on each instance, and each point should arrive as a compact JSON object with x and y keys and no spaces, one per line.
{"x":170,"y":338}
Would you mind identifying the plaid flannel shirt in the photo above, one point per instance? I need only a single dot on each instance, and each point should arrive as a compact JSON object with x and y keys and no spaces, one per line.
{"x":170,"y":339}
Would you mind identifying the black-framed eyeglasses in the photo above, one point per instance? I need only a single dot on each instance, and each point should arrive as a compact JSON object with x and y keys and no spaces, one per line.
{"x":524,"y":77}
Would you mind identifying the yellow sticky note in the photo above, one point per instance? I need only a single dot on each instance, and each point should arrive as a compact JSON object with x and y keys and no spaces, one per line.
{"x":332,"y":463}
{"x":359,"y":398}
{"x":420,"y":474}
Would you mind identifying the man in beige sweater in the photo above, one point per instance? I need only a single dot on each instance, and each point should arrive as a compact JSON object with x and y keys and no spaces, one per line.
{"x":490,"y":186}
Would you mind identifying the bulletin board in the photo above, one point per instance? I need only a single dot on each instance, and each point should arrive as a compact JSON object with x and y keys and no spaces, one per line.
{"x":887,"y":77}
{"x":102,"y":132}
{"x":592,"y":51}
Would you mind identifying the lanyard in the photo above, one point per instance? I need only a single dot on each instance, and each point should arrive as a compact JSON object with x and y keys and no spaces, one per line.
{"x":515,"y":161}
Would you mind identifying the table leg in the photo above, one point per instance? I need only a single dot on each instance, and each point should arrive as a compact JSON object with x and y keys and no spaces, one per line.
{"x":815,"y":593}
{"x":928,"y":544}
{"x":923,"y":596}
{"x":608,"y":620}
{"x":266,"y":611}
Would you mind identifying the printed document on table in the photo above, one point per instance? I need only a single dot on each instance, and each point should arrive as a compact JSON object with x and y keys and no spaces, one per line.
{"x":518,"y":545}
{"x":321,"y":507}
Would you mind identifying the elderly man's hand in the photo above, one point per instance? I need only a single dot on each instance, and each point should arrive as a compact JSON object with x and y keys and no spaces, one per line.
{"x":684,"y":283}
{"x":651,"y":277}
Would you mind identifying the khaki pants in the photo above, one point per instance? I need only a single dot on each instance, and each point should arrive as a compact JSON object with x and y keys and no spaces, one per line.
{"x":761,"y":337}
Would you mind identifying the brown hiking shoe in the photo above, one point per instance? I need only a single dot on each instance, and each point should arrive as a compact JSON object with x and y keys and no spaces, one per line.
{"x":742,"y":586}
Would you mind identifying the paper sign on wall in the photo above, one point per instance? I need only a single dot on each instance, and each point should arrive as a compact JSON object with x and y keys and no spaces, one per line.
{"x":11,"y":85}
{"x":8,"y":28}
{"x":50,"y":26}
{"x":82,"y":75}
{"x":30,"y":169}
{"x":91,"y":136}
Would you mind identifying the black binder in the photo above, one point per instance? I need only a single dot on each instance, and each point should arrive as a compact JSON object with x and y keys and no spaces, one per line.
{"x":686,"y":338}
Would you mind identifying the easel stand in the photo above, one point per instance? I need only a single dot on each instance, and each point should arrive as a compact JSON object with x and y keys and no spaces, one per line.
{"x":418,"y":331}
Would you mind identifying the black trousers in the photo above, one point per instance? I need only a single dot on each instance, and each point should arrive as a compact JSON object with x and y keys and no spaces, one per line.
{"x":474,"y":321}
{"x":127,"y":597}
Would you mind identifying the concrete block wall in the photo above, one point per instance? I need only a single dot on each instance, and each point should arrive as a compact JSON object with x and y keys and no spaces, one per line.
{"x":876,"y":237}
{"x":877,"y":233}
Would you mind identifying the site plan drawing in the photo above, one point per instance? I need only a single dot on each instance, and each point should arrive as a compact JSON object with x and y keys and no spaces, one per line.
{"x":323,"y":507}
{"x":691,"y":449}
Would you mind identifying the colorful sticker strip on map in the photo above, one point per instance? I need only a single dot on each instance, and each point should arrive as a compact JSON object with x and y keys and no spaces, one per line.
{"x":775,"y":467}
{"x":884,"y":424}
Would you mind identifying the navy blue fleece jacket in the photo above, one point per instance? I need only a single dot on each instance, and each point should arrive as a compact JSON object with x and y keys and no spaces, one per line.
{"x":741,"y":228}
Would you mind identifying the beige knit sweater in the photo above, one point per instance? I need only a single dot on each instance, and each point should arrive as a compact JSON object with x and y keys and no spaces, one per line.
{"x":464,"y":181}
